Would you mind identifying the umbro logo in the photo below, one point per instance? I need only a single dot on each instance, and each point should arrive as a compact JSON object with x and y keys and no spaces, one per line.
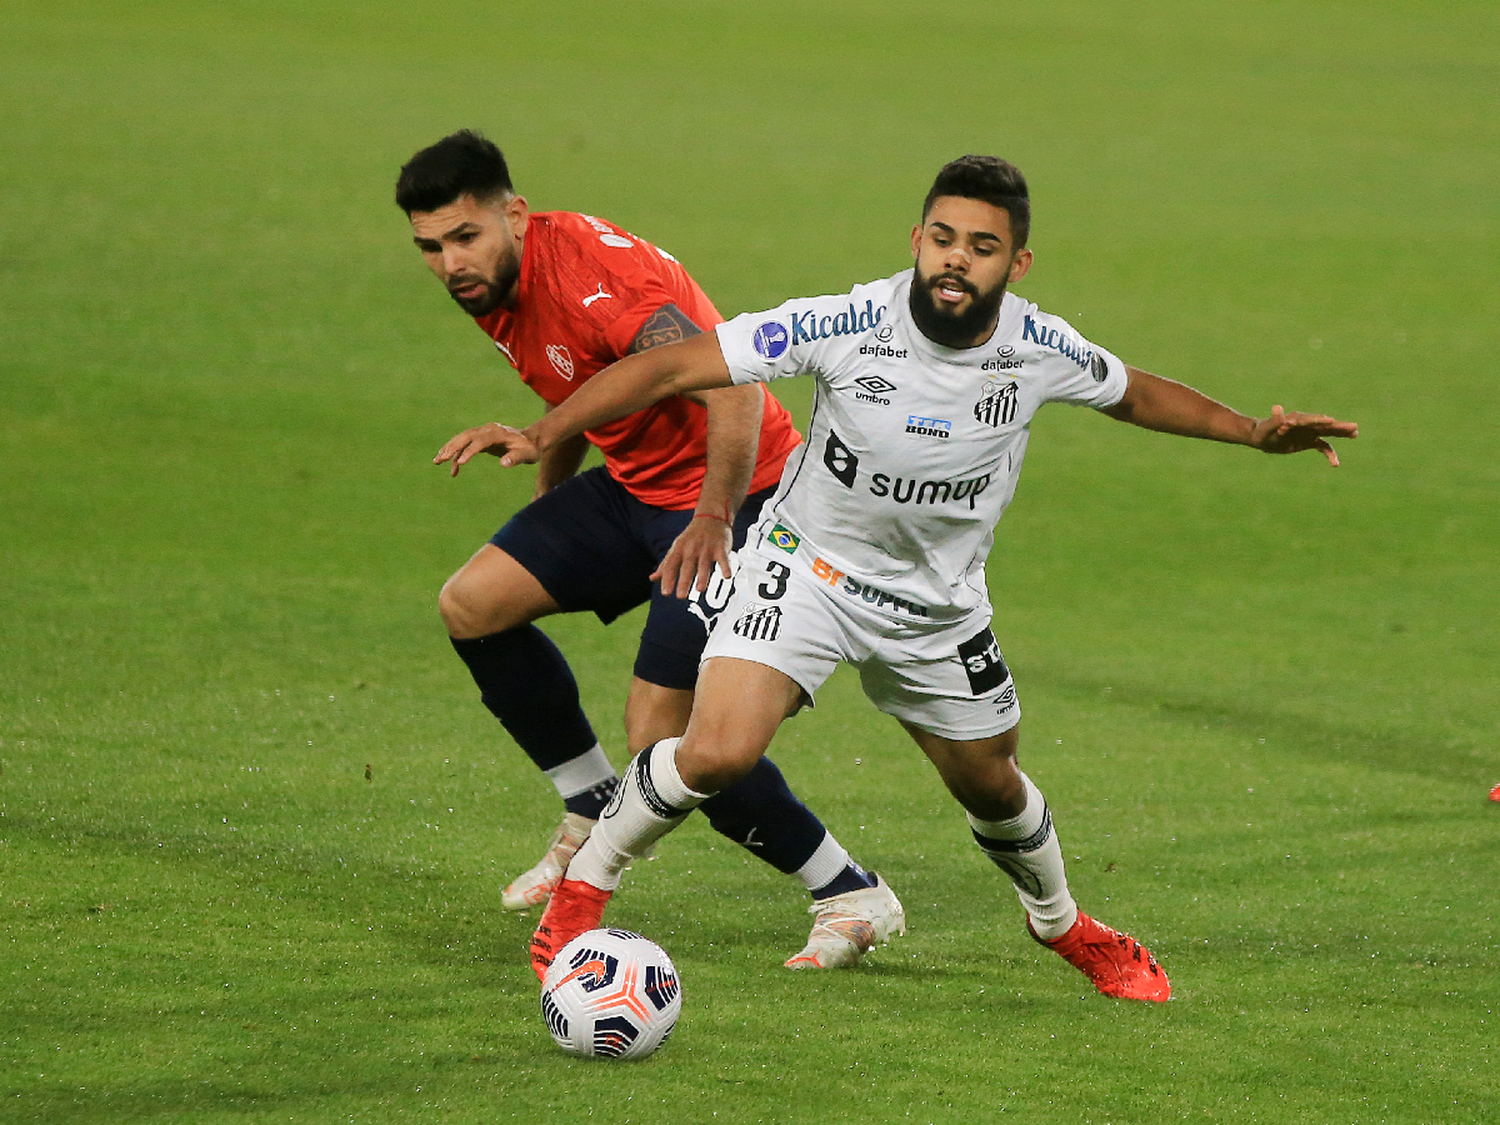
{"x":875,"y":384}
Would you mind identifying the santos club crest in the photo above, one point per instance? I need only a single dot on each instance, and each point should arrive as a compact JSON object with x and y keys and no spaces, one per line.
{"x":998,"y":405}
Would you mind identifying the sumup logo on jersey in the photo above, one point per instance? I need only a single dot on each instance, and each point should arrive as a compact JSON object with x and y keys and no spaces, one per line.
{"x":907,"y":491}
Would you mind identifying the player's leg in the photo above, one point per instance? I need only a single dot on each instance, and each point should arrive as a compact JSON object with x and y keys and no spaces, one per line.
{"x":1013,"y":826}
{"x":759,"y":812}
{"x":489,"y":606}
{"x":561,"y":553}
{"x":1009,"y":819}
{"x":952,"y":691}
{"x":853,"y":908}
{"x":737,"y":709}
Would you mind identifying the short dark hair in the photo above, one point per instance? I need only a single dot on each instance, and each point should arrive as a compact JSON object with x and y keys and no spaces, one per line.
{"x":462,"y":163}
{"x":990,"y":180}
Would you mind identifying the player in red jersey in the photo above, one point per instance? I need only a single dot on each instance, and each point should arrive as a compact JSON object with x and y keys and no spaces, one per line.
{"x":563,"y":296}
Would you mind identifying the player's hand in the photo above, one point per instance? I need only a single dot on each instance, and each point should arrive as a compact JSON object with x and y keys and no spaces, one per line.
{"x":512,"y":446}
{"x":704,"y":544}
{"x":1292,"y":433}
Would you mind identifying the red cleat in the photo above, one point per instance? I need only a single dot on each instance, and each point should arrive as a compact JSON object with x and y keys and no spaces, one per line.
{"x":575,"y":908}
{"x":1495,"y":793}
{"x":1118,"y":965}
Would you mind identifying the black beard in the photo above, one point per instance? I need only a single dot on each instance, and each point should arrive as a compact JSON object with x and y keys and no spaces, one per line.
{"x":496,"y":289}
{"x":953,"y":330}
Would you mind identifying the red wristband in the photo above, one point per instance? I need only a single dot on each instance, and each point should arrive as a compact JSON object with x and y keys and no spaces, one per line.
{"x":712,"y":516}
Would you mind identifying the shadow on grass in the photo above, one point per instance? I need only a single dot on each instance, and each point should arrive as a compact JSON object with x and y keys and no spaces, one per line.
{"x":1306,"y":737}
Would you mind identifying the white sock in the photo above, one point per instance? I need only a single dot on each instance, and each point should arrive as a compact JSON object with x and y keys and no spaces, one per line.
{"x":580,"y":774}
{"x":825,"y":865}
{"x":1025,"y":847}
{"x":649,"y":802}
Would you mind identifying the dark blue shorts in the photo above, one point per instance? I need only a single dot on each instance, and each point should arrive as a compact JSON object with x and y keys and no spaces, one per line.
{"x":591,"y":545}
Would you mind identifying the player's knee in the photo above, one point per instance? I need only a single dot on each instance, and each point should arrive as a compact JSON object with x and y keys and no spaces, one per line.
{"x":993,"y":789}
{"x":466,"y":612}
{"x":711,"y":766}
{"x":654,"y":712}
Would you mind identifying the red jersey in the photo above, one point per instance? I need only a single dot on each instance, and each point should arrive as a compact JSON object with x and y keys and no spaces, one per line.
{"x":586,"y":288}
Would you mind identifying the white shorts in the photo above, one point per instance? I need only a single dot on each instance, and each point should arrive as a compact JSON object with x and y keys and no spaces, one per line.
{"x":946,"y":677}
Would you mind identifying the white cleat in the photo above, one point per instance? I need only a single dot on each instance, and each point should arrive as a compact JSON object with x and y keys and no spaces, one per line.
{"x":536,"y":886}
{"x":849,"y":925}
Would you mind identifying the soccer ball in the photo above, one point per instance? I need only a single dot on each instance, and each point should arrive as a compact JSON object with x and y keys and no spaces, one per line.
{"x":611,"y":994}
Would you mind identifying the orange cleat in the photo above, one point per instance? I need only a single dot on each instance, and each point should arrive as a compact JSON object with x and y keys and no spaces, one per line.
{"x":1495,"y":793}
{"x":575,"y":908}
{"x":1118,"y":965}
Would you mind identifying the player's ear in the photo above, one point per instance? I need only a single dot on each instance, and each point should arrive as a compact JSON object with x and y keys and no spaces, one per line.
{"x":916,"y":240}
{"x":516,"y":215}
{"x":1020,"y":265}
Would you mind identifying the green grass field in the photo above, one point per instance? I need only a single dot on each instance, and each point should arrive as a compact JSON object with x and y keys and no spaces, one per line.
{"x":252,"y":819}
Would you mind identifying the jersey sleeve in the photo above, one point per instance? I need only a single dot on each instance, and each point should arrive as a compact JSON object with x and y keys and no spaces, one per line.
{"x":795,"y":337}
{"x":644,"y":295}
{"x":756,"y":347}
{"x":611,"y":282}
{"x":1084,"y":374}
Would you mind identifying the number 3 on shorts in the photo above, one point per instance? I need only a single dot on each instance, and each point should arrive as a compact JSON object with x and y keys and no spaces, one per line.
{"x":776,"y":586}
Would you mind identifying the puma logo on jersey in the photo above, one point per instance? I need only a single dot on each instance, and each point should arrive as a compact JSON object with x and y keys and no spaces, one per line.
{"x":599,"y":296}
{"x":706,"y":605}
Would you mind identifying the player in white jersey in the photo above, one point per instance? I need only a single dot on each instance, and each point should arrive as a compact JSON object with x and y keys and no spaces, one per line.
{"x":873,"y":549}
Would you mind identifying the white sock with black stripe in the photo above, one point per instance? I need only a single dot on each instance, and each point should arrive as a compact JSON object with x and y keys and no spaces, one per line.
{"x":1025,"y":847}
{"x":649,"y":802}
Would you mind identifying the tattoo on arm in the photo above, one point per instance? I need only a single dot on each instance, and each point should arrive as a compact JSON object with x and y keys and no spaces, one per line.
{"x":666,"y":325}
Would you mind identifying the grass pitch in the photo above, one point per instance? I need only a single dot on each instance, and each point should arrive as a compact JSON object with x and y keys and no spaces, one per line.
{"x":252,"y":820}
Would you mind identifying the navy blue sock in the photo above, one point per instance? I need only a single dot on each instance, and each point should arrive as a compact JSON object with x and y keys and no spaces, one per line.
{"x":526,"y":683}
{"x":761,"y":813}
{"x":852,"y":878}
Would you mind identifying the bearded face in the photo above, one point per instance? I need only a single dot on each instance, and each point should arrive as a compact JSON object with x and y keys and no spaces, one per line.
{"x":479,"y":294}
{"x":965,"y":257}
{"x":474,"y":248}
{"x":951,"y":310}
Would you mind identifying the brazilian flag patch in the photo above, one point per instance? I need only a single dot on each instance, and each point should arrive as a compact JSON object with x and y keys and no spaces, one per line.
{"x":784,"y":539}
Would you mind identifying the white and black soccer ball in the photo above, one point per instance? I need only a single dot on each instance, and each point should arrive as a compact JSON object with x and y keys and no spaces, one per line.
{"x":611,"y":994}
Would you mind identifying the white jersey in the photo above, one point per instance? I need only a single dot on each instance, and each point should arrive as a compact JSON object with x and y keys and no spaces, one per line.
{"x":913,"y":448}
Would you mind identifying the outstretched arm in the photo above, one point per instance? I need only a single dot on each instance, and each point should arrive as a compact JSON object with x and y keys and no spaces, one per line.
{"x":622,"y":388}
{"x":1160,"y":404}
